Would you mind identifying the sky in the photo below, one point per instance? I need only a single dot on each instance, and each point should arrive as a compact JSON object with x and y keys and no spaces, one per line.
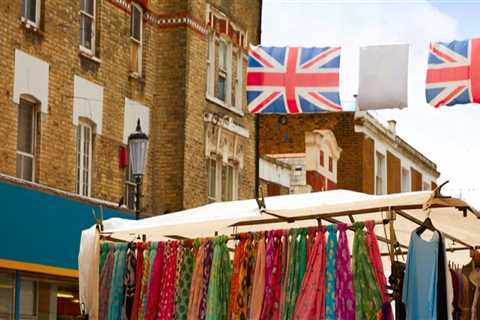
{"x":449,"y":136}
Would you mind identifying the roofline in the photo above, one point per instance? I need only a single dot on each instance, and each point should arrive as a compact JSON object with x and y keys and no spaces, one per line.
{"x":370,"y":122}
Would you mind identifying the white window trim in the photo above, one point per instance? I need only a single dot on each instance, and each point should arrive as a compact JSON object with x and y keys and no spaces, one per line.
{"x":34,"y":137}
{"x":239,"y":82}
{"x":93,"y":17}
{"x":81,"y":165}
{"x":138,"y":41}
{"x":383,"y":175}
{"x":408,"y":186}
{"x":218,"y":179}
{"x":29,"y":23}
{"x":211,"y":65}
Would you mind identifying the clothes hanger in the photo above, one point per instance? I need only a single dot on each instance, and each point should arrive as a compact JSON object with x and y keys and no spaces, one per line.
{"x":427,"y":224}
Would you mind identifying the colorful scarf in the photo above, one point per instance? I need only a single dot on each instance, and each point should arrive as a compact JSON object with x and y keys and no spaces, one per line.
{"x":183,"y":285}
{"x":129,"y":283}
{"x":311,"y":299}
{"x":155,"y":283}
{"x":106,"y":282}
{"x":345,"y":298}
{"x":196,"y":287}
{"x":145,"y":278}
{"x":138,"y":281}
{"x":166,"y":305}
{"x":368,"y":301}
{"x":235,"y":284}
{"x":219,"y":284}
{"x":207,"y":268}
{"x":245,"y":280}
{"x":277,"y":280}
{"x":258,"y":286}
{"x":271,"y":300}
{"x":116,"y":289}
{"x":376,"y":259}
{"x":330,"y":275}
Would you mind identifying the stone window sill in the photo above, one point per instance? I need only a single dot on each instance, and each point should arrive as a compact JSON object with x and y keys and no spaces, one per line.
{"x":85,"y":53}
{"x":224,"y":105}
{"x":30,"y":26}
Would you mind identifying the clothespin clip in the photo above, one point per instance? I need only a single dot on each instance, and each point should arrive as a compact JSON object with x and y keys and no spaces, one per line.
{"x":98,"y":221}
{"x":261,"y":202}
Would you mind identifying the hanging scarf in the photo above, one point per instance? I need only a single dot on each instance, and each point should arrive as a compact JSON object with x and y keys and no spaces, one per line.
{"x":376,"y":260}
{"x":166,"y":305}
{"x":271,"y":299}
{"x":302,"y":260}
{"x":183,"y":285}
{"x":106,"y":282}
{"x":145,"y":278}
{"x":129,"y":283}
{"x":285,"y":269}
{"x":311,"y":299}
{"x":155,"y":283}
{"x":330,"y":275}
{"x":245,"y":281}
{"x":207,"y":268}
{"x":368,"y":301}
{"x":235,"y":283}
{"x":138,"y":281}
{"x":116,"y":289}
{"x":258,"y":286}
{"x":104,"y":249}
{"x":196,"y":287}
{"x":290,"y":285}
{"x":151,"y":262}
{"x":219,"y":285}
{"x":345,"y":298}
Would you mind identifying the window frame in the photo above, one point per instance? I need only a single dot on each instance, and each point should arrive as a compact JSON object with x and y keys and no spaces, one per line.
{"x":223,"y":71}
{"x":218,"y":179}
{"x":139,"y":42}
{"x":211,"y":65}
{"x":380,"y":167}
{"x":80,"y":167}
{"x":91,"y":51}
{"x":25,"y":19}
{"x":238,"y":81}
{"x":36,"y":297}
{"x":212,"y":197}
{"x":33,"y":105}
{"x":10,"y":276}
{"x":406,"y":180}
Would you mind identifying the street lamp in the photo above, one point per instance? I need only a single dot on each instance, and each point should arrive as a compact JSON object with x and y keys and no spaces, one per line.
{"x":137,"y":151}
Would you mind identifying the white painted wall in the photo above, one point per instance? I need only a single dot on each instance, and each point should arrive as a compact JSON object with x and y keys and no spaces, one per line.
{"x":271,"y":172}
{"x":87,"y":102}
{"x":31,"y":77}
{"x":134,"y":111}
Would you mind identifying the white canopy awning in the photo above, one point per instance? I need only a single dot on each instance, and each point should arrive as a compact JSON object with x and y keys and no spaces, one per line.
{"x":301,"y":210}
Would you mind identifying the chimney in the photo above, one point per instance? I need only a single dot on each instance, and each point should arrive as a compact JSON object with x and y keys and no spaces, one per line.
{"x":392,"y":126}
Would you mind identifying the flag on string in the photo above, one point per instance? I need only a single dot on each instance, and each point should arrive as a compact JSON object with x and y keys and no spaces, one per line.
{"x":453,"y":75}
{"x":383,"y":77}
{"x":293,"y":79}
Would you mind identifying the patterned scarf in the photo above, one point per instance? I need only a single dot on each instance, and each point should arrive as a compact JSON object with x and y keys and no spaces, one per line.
{"x":245,"y":280}
{"x":258,"y":286}
{"x":138,"y":281}
{"x":330,"y":276}
{"x":207,"y":268}
{"x":368,"y":301}
{"x":196,"y":287}
{"x":106,"y":282}
{"x":235,"y":284}
{"x":129,"y":283}
{"x":271,"y":301}
{"x":311,"y":299}
{"x":166,"y":305}
{"x":345,"y":298}
{"x":183,"y":285}
{"x":145,"y":278}
{"x":155,"y":283}
{"x":219,"y":285}
{"x":116,"y":289}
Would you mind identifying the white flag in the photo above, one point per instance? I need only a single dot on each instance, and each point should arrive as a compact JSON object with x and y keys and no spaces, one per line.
{"x":383,"y":80}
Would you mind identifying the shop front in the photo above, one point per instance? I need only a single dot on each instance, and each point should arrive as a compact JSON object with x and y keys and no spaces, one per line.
{"x":41,"y":230}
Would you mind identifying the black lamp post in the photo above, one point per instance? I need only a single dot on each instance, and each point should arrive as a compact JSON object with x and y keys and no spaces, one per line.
{"x":137,"y":152}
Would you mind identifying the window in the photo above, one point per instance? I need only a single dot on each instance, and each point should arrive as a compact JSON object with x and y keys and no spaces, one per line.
{"x":222,"y":181}
{"x":210,"y":64}
{"x":84,"y":158}
{"x":380,"y":174}
{"x":28,"y":298}
{"x":136,"y":36}
{"x":405,"y":180}
{"x":212,"y":179}
{"x":322,"y":158}
{"x":87,"y":25}
{"x":222,"y":71}
{"x":26,"y":140}
{"x":130,"y":187}
{"x":227,"y":182}
{"x":237,"y":87}
{"x":31,"y":12}
{"x":7,"y":296}
{"x":330,"y":164}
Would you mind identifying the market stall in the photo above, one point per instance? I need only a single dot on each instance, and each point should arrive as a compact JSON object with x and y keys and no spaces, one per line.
{"x":393,"y":217}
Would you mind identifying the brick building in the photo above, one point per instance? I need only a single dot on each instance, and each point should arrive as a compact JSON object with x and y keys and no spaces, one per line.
{"x":348,"y":150}
{"x":77,"y":74}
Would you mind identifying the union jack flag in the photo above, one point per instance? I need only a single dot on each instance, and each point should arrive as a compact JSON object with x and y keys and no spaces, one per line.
{"x":293,"y":80}
{"x":453,"y":75}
